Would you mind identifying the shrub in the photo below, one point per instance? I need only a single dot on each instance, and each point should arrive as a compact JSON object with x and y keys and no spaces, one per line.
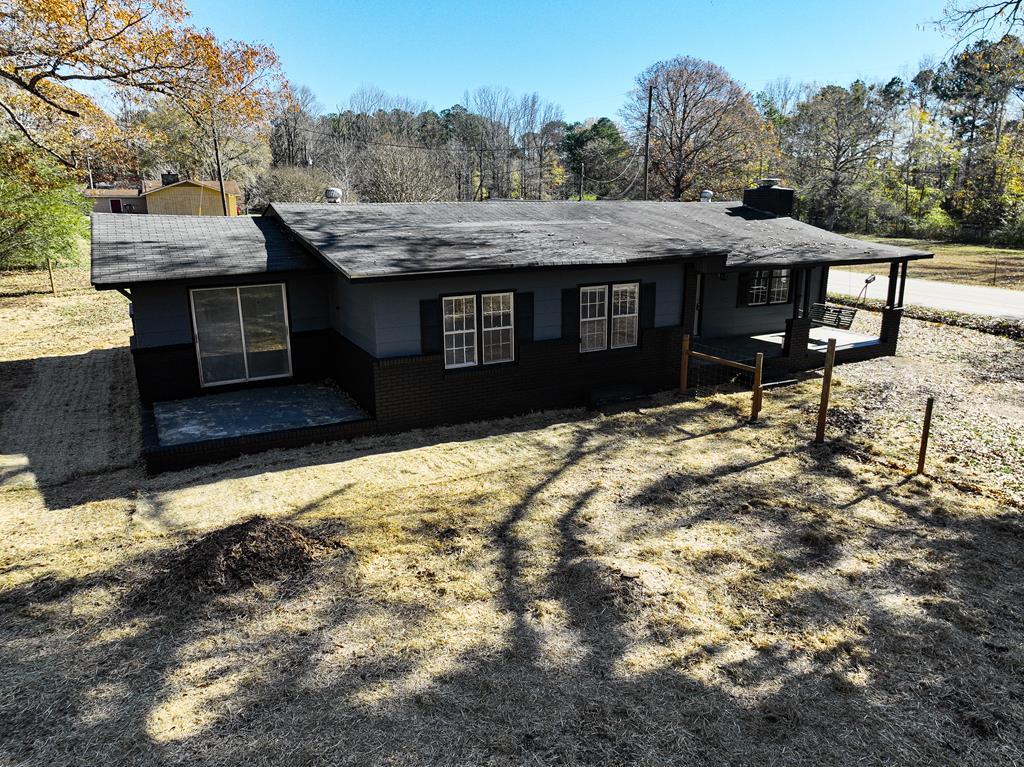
{"x":936,"y":224}
{"x":1011,"y":234}
{"x":42,"y":212}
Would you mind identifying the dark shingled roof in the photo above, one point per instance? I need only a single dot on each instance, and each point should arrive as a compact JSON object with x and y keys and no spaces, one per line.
{"x":144,"y":248}
{"x":374,"y":241}
{"x":396,"y":239}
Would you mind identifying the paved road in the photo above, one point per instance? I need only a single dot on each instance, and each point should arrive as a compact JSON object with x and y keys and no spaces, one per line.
{"x":973,"y":299}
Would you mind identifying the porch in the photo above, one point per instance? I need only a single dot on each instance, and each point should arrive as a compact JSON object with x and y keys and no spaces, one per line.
{"x":794,"y":342}
{"x":214,"y":427}
{"x":745,"y":348}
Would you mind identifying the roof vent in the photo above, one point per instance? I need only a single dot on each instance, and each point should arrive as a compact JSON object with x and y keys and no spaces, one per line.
{"x":333,"y":195}
{"x":706,"y":195}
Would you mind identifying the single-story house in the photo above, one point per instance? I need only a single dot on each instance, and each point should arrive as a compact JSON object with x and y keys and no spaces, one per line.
{"x":115,"y":200}
{"x":430,"y":313}
{"x":191,"y":198}
{"x":169,"y":196}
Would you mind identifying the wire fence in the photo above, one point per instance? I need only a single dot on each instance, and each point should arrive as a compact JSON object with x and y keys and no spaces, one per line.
{"x":705,"y":374}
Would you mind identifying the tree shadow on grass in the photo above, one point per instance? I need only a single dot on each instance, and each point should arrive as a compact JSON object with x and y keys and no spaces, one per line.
{"x":808,"y":660}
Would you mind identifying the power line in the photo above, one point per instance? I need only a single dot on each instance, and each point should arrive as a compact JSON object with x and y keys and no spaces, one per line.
{"x":394,"y":144}
{"x":636,"y":153}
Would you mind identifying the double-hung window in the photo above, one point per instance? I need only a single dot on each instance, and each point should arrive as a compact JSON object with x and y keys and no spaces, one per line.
{"x":625,"y":317}
{"x":778,"y":286}
{"x":467,"y":342}
{"x":497,"y":313}
{"x":459,"y":331}
{"x":593,"y":318}
{"x":595,"y":309}
{"x":241,"y":333}
{"x":766,"y":286}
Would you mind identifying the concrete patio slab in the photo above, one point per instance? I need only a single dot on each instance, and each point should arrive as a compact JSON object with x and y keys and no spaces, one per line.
{"x":818,"y":339}
{"x":252,"y":411}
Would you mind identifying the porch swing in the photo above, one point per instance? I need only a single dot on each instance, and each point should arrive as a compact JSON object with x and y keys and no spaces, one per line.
{"x":837,"y":315}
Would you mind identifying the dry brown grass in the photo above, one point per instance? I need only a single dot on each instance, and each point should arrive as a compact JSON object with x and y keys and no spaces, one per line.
{"x":961,"y":263}
{"x":669,"y":586}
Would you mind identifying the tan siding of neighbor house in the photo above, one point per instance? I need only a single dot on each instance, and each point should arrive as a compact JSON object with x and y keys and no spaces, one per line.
{"x":189,"y":200}
{"x":102,"y":204}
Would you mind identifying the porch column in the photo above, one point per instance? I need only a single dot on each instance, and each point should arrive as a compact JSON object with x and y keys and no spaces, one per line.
{"x":892,"y":314}
{"x":798,"y":327}
{"x":691,"y":298}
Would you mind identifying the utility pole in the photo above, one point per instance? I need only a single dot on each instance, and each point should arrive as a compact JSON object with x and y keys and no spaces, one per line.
{"x":647,"y":136}
{"x":582,"y":167}
{"x":216,"y":159}
{"x":540,"y":170}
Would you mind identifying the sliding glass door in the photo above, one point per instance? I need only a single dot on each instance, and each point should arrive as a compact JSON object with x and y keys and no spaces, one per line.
{"x":241,"y":333}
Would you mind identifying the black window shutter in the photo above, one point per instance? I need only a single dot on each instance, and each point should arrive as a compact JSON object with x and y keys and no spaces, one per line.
{"x":570,"y":314}
{"x":648,"y":292}
{"x":743,"y":287}
{"x":430,"y":326}
{"x":524,"y":317}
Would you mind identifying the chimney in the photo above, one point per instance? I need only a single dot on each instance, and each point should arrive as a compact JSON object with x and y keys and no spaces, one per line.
{"x":166,"y":179}
{"x":769,"y":197}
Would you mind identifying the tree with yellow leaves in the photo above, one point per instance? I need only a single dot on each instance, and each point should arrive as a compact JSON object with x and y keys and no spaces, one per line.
{"x":50,"y":49}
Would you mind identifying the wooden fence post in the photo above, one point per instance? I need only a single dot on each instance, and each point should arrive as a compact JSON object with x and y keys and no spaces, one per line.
{"x":49,"y":268}
{"x":758,"y":393}
{"x":826,"y":391}
{"x":925,"y":433}
{"x":684,"y":365}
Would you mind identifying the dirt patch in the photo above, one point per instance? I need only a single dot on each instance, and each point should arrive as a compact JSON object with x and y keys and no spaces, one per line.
{"x":239,"y":556}
{"x":977,"y":380}
{"x":847,"y":420}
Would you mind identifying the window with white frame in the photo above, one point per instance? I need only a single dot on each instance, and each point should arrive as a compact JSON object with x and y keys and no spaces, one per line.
{"x":241,"y":333}
{"x":593,"y":318}
{"x":625,"y":315}
{"x":621,"y":303}
{"x":778,"y":289}
{"x":757,"y":288}
{"x":459,"y":331}
{"x":496,"y":328}
{"x":766,"y":286}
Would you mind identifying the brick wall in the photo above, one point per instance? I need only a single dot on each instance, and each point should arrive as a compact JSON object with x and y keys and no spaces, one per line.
{"x":418,"y":391}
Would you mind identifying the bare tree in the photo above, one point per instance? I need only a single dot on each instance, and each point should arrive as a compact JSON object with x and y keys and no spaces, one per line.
{"x":705,"y":131}
{"x":292,"y":136}
{"x":968,"y":20}
{"x":294,"y":184}
{"x":498,"y":110}
{"x":833,"y":139}
{"x":403,"y":174}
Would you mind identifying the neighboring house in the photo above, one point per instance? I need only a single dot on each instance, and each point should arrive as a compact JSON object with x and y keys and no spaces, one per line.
{"x":431,"y":313}
{"x":191,"y":198}
{"x":168,"y":196}
{"x":115,"y":200}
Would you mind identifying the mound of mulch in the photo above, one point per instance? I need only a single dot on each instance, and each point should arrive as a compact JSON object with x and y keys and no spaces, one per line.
{"x":847,"y":420}
{"x":239,"y":556}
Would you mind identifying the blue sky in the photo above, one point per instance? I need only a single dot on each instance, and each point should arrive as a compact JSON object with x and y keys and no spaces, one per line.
{"x":582,"y":55}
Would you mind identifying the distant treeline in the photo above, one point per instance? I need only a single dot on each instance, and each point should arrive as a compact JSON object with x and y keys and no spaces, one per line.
{"x":940,"y":155}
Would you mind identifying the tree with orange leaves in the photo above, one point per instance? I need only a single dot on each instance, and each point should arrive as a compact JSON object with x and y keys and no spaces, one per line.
{"x":51,"y":49}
